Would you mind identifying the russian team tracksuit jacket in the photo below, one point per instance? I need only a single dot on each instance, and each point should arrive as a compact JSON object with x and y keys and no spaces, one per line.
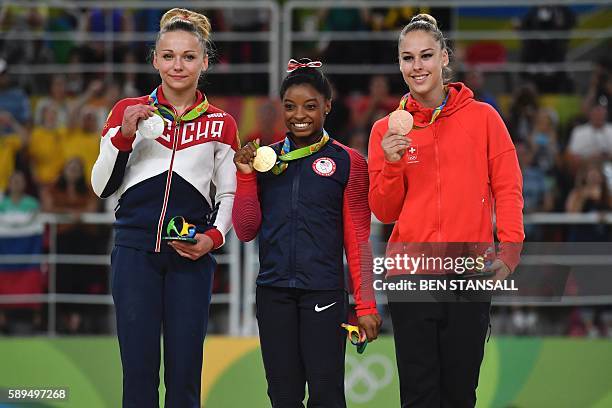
{"x":154,"y":288}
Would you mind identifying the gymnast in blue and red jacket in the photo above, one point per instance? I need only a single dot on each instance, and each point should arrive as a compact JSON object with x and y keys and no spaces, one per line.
{"x":160,"y":286}
{"x":307,"y":211}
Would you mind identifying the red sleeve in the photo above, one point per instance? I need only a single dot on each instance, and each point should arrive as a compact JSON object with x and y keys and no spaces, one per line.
{"x":507,"y":188}
{"x":216,"y":236}
{"x":246,"y":212}
{"x":357,"y":219}
{"x":387,"y":186}
{"x":112,"y":126}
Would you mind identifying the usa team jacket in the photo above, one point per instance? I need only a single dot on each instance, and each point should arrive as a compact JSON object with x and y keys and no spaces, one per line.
{"x":458,"y":173}
{"x":170,"y":176}
{"x":306,"y":217}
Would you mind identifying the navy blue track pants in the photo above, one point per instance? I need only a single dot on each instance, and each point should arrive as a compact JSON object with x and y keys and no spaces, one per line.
{"x":302,"y":342}
{"x":155,"y":293}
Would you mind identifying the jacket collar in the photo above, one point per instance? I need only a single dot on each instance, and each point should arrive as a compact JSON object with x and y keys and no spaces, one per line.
{"x":167,"y":111}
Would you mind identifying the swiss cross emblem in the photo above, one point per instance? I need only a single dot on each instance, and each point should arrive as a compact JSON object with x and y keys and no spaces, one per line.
{"x":412,"y":154}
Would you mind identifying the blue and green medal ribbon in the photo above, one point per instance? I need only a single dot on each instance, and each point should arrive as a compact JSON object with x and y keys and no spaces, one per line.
{"x":166,"y":113}
{"x":436,"y":112}
{"x":286,"y":154}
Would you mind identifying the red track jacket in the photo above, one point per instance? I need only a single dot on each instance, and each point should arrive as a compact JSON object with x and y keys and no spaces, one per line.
{"x":458,"y":172}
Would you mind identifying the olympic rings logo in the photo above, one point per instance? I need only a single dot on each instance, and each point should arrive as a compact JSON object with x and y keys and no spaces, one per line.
{"x":366,"y":376}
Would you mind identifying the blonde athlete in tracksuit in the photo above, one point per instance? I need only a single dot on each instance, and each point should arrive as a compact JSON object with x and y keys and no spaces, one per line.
{"x":159,"y":287}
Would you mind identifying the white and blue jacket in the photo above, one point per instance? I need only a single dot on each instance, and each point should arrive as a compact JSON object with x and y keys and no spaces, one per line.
{"x":170,"y":176}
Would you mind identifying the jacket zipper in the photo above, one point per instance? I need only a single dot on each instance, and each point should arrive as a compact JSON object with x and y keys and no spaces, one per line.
{"x":438,"y":184}
{"x":295,"y":190}
{"x":160,"y":223}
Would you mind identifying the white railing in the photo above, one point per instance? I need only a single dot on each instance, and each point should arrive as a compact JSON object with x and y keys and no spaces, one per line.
{"x":243,"y":270}
{"x":251,"y":266}
{"x":290,"y":36}
{"x":230,"y":256}
{"x":109,"y":37}
{"x":281,"y":44}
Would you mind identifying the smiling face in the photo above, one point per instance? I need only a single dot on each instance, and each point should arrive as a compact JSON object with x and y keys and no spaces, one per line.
{"x":421,"y":62}
{"x":180,"y":60}
{"x":304,"y":110}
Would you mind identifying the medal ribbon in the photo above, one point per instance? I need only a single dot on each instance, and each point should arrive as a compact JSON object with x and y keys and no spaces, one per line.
{"x":436,"y":112}
{"x":166,"y":113}
{"x":286,"y":154}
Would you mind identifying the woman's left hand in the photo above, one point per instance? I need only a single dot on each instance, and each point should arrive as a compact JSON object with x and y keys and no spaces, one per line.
{"x":369,"y":324}
{"x":195,"y":251}
{"x":501,"y":270}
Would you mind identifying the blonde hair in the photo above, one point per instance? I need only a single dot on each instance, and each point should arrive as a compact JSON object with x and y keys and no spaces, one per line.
{"x":427,"y":23}
{"x":179,"y":19}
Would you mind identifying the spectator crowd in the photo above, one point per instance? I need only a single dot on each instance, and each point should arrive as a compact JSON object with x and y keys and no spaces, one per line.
{"x":50,"y":132}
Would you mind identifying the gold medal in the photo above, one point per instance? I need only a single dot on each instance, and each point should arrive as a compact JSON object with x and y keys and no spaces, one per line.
{"x":265,"y":159}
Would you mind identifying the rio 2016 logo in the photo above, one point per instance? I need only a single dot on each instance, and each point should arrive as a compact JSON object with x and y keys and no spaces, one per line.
{"x":366,"y":376}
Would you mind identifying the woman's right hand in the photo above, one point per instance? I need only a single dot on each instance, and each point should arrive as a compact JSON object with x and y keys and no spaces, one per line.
{"x":243,"y":158}
{"x":132,"y":115}
{"x":394,"y":145}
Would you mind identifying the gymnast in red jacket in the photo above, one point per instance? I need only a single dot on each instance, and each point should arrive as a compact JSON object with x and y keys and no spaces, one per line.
{"x":442,"y":183}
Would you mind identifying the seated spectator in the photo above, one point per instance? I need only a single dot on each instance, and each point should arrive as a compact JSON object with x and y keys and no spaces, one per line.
{"x":537,"y":193}
{"x":525,"y":104}
{"x":593,"y":140}
{"x":376,"y":105}
{"x":12,"y":99}
{"x":590,"y":194}
{"x":547,"y":50}
{"x":537,"y":190}
{"x":131,"y":80}
{"x":71,"y":195}
{"x":63,"y":20}
{"x":99,"y":96}
{"x":523,"y":321}
{"x":600,"y":87}
{"x":10,"y":145}
{"x":20,"y":234}
{"x":44,"y":148}
{"x":544,"y":140}
{"x":343,"y":19}
{"x":474,"y":79}
{"x":83,"y":140}
{"x":75,"y":79}
{"x":583,"y":323}
{"x":17,"y":20}
{"x":58,"y":97}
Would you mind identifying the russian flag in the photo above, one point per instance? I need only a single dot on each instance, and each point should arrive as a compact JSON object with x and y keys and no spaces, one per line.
{"x":22,"y":278}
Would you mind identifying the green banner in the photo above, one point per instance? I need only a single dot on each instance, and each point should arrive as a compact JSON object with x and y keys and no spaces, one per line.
{"x":517,"y":372}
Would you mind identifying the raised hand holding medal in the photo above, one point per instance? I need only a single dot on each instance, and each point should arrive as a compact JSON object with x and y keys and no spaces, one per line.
{"x":265,"y":159}
{"x":152,"y":127}
{"x":254,"y":157}
{"x":395,"y":141}
{"x":401,"y":121}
